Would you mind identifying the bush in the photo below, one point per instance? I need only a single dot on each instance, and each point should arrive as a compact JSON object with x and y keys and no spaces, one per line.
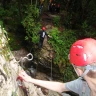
{"x":56,"y":20}
{"x":61,"y":43}
{"x":1,"y":23}
{"x":31,"y":23}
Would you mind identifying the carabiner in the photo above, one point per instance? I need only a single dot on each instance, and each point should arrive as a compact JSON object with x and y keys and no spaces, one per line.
{"x":29,"y":56}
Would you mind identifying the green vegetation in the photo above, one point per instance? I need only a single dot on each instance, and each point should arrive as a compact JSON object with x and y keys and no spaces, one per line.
{"x":1,"y":23}
{"x":31,"y":23}
{"x":61,"y":42}
{"x":4,"y":47}
{"x":56,"y":21}
{"x":14,"y":42}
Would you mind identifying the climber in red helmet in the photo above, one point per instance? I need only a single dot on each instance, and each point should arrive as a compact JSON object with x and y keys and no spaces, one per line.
{"x":82,"y":56}
{"x":42,"y":34}
{"x":43,"y":28}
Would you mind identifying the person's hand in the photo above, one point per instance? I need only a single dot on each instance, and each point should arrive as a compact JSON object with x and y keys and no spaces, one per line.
{"x":24,"y":76}
{"x":49,"y":36}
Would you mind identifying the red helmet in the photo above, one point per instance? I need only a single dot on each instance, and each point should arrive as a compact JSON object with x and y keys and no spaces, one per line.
{"x":83,"y":52}
{"x":43,"y":28}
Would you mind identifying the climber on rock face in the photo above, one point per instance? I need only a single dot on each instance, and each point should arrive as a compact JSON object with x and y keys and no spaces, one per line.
{"x":82,"y":57}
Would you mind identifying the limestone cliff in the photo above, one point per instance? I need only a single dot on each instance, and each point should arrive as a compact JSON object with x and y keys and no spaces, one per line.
{"x":9,"y":69}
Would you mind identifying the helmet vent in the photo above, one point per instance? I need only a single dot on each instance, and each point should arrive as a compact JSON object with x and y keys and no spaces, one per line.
{"x":77,"y":55}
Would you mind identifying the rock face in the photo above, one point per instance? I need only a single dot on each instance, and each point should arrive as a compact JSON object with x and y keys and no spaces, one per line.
{"x":9,"y":69}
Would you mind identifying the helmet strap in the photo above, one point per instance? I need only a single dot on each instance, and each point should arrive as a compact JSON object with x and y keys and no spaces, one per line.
{"x":88,"y":68}
{"x":75,"y":69}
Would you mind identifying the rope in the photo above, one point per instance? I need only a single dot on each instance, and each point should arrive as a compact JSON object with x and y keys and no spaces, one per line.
{"x":51,"y":70}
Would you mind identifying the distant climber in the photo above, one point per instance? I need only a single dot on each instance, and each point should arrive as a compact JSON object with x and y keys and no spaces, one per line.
{"x":42,"y":34}
{"x":41,"y":8}
{"x":58,"y":8}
